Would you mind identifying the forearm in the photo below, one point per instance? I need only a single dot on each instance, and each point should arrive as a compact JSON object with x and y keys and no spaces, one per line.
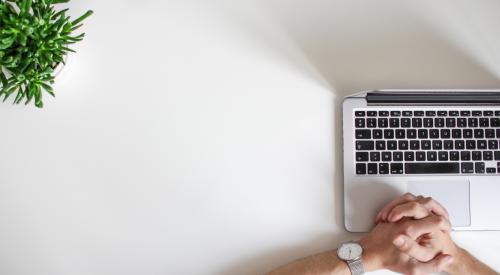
{"x":465,"y":263}
{"x":326,"y":263}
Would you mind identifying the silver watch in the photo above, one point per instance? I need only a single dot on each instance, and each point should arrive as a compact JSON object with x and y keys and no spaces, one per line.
{"x":351,"y":252}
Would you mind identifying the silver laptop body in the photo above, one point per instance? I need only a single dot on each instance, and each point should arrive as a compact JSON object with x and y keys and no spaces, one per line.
{"x":439,"y":143}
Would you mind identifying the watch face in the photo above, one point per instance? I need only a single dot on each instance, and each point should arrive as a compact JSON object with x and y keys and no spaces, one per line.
{"x":349,"y":251}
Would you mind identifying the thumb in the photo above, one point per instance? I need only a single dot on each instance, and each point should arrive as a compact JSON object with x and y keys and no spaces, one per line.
{"x":438,"y":264}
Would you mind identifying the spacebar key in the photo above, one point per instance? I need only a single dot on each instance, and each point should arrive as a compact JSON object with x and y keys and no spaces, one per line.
{"x":432,"y":168}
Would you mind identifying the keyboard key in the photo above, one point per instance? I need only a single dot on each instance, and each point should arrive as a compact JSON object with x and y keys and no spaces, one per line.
{"x":461,"y":122}
{"x":394,"y":122}
{"x":374,"y":156}
{"x":396,"y":168}
{"x":464,"y":113}
{"x":395,"y":113}
{"x":430,"y":113}
{"x":439,"y":122}
{"x":445,"y":133}
{"x":397,"y":156}
{"x":377,"y":134}
{"x":359,"y":113}
{"x":468,"y":133}
{"x":453,"y":113}
{"x":497,"y":155}
{"x":423,"y":133}
{"x":386,"y":156}
{"x":363,"y":134}
{"x":487,"y":155}
{"x":489,"y":133}
{"x":383,"y":168}
{"x":454,"y":155}
{"x":477,"y":155}
{"x":498,"y":133}
{"x":465,"y":155}
{"x":459,"y":144}
{"x":416,"y":122}
{"x":479,"y":167}
{"x":380,"y":145}
{"x":488,"y":113}
{"x":418,"y":113}
{"x":432,"y":168}
{"x":371,"y":122}
{"x":443,"y":155}
{"x":431,"y":155}
{"x":403,"y":145}
{"x":477,"y":113}
{"x":470,"y":144}
{"x":371,"y":113}
{"x":364,"y":145}
{"x":383,"y":122}
{"x":383,"y":113}
{"x":442,"y":113}
{"x":497,"y":113}
{"x":360,"y":168}
{"x":414,"y":145}
{"x":420,"y":156}
{"x":409,"y":156}
{"x":437,"y":145}
{"x":451,"y":122}
{"x":434,"y":133}
{"x":478,"y":133}
{"x":473,"y":122}
{"x":400,"y":134}
{"x":456,"y":133}
{"x":392,"y":145}
{"x":425,"y":144}
{"x":428,"y":122}
{"x":492,"y":144}
{"x":372,"y":168}
{"x":448,"y":144}
{"x":495,"y":122}
{"x":491,"y":170}
{"x":484,"y":122}
{"x":405,"y":123}
{"x":361,"y":156}
{"x":467,"y":167}
{"x":359,"y":122}
{"x":388,"y":134}
{"x":407,"y":113}
{"x":411,"y":133}
{"x":482,"y":144}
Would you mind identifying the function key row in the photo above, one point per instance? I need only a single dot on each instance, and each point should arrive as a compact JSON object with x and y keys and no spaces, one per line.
{"x":427,"y":122}
{"x":456,"y":133}
{"x":454,"y":113}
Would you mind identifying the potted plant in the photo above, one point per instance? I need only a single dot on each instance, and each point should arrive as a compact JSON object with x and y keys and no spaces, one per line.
{"x":34,"y":40}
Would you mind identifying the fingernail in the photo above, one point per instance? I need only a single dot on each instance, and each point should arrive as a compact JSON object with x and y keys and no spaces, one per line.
{"x":399,"y":241}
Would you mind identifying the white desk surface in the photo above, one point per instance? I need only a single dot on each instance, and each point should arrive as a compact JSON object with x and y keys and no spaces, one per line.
{"x":203,"y":137}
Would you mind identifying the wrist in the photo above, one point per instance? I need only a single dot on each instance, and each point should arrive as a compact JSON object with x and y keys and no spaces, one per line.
{"x":371,"y":259}
{"x":459,"y":258}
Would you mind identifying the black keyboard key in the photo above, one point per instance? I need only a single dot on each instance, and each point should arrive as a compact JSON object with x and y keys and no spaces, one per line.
{"x":400,"y":133}
{"x":461,"y":122}
{"x":428,"y":122}
{"x":359,"y":122}
{"x":397,"y":156}
{"x":451,"y":122}
{"x":430,"y":113}
{"x":383,"y":113}
{"x":467,"y":167}
{"x":437,"y":145}
{"x":489,"y":133}
{"x":383,"y":123}
{"x":416,"y":122}
{"x":482,"y":144}
{"x":407,"y":113}
{"x":396,"y":168}
{"x":491,"y":170}
{"x":464,"y":113}
{"x":360,"y":168}
{"x":371,"y":123}
{"x":409,"y":156}
{"x":468,"y":133}
{"x":380,"y":145}
{"x":477,"y":155}
{"x":383,"y":168}
{"x":392,"y":145}
{"x":497,"y":155}
{"x":403,"y":145}
{"x":418,"y":113}
{"x":442,"y":113}
{"x":374,"y":156}
{"x":487,"y":155}
{"x":453,"y":113}
{"x":377,"y":134}
{"x":363,"y":134}
{"x":454,"y":155}
{"x":423,"y":133}
{"x":484,"y":122}
{"x":477,"y":113}
{"x":372,"y":168}
{"x":431,"y":155}
{"x":465,"y":155}
{"x":488,"y":113}
{"x":473,"y":122}
{"x":411,"y":133}
{"x":492,"y":144}
{"x":434,"y":133}
{"x":497,"y":113}
{"x":495,"y":122}
{"x":478,"y":133}
{"x":389,"y":134}
{"x":420,"y":156}
{"x":470,"y":144}
{"x":459,"y":144}
{"x":361,"y":156}
{"x":456,"y":133}
{"x":479,"y":167}
{"x":371,"y":113}
{"x":498,"y":133}
{"x":443,"y":155}
{"x":414,"y":145}
{"x":439,"y":122}
{"x":448,"y":144}
{"x":359,"y":113}
{"x":425,"y":144}
{"x":432,"y":168}
{"x":405,"y":123}
{"x":386,"y":156}
{"x":365,"y":145}
{"x":395,"y":113}
{"x":394,"y":122}
{"x":445,"y":133}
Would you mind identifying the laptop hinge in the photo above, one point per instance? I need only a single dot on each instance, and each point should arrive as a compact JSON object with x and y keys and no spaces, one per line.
{"x":433,"y":98}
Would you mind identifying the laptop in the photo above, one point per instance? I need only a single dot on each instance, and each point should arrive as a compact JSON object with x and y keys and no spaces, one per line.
{"x":438,"y":143}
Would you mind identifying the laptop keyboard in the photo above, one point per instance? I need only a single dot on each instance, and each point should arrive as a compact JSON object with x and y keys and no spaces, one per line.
{"x":461,"y":141}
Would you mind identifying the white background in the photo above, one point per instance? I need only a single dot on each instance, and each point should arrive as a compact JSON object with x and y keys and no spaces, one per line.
{"x":203,"y":137}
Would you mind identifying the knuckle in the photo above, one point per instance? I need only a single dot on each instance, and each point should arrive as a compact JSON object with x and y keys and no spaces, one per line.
{"x":408,"y":196}
{"x":414,"y":205}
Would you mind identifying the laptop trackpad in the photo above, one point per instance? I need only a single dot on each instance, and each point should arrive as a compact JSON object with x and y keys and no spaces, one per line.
{"x":452,"y":194}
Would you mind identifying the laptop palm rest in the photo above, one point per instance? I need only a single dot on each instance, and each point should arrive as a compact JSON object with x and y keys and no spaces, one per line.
{"x":454,"y":195}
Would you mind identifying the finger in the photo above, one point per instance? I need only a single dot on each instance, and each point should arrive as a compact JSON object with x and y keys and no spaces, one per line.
{"x":438,"y":264}
{"x":412,"y":209}
{"x":414,"y":249}
{"x":382,"y":216}
{"x":434,"y":206}
{"x":416,"y":228}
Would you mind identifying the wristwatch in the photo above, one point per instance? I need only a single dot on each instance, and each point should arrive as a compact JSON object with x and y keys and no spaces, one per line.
{"x":351,"y":252}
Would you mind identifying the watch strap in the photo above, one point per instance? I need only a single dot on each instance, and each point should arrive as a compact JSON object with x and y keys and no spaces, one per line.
{"x":356,"y":267}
